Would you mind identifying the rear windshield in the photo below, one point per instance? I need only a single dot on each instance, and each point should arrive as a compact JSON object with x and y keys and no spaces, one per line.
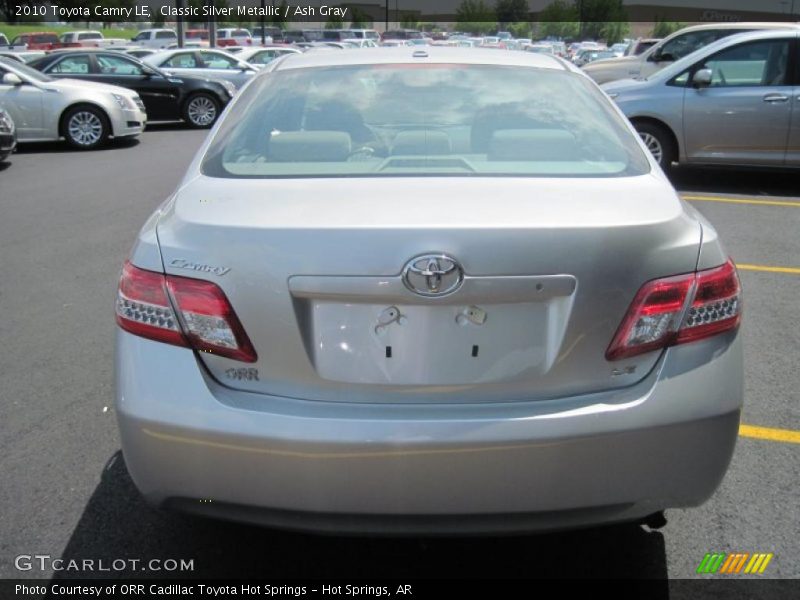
{"x":423,"y":120}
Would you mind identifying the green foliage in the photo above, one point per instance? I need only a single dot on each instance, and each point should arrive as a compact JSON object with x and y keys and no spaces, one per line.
{"x":614,"y":31}
{"x":476,"y":16}
{"x":520,"y":30}
{"x":334,"y":22}
{"x":408,"y":20}
{"x":599,"y":18}
{"x":559,"y":19}
{"x":511,"y":11}
{"x":664,"y":28}
{"x":360,"y":19}
{"x":279,"y":20}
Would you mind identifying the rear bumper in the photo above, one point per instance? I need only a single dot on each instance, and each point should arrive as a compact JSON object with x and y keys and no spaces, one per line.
{"x":198,"y":446}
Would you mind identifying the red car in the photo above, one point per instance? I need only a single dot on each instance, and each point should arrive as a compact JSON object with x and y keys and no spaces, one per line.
{"x":38,"y":40}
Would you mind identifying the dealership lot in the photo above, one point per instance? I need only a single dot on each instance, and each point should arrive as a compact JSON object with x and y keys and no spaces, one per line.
{"x":68,"y":220}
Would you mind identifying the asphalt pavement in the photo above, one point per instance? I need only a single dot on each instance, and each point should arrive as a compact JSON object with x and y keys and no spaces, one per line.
{"x":67,"y":221}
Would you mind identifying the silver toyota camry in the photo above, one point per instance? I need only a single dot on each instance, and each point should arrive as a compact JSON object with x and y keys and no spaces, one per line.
{"x":427,"y":291}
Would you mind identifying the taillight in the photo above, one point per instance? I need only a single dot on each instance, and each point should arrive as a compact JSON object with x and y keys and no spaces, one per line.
{"x":679,"y":309}
{"x":205,"y":320}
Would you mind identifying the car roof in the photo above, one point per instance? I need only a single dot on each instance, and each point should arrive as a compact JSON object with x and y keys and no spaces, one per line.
{"x":167,"y":53}
{"x":740,"y":25}
{"x":428,"y":54}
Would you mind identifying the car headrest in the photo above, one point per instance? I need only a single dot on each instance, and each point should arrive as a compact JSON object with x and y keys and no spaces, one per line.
{"x":421,"y":142}
{"x":533,"y":144}
{"x":308,"y":146}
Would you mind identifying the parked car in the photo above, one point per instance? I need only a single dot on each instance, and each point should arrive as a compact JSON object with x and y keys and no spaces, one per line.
{"x":8,"y":135}
{"x":401,"y":34}
{"x":361,"y":42}
{"x":259,"y":56}
{"x":23,"y":57}
{"x":140,"y":52}
{"x":233,"y":37}
{"x":90,"y":39}
{"x":676,"y":46}
{"x":729,"y":103}
{"x":299,"y":351}
{"x":4,"y":40}
{"x":38,"y":40}
{"x":196,"y":100}
{"x":197,"y":35}
{"x":155,"y":38}
{"x":365,"y":34}
{"x":270,"y":34}
{"x":84,"y":113}
{"x":216,"y":64}
{"x":639,"y":46}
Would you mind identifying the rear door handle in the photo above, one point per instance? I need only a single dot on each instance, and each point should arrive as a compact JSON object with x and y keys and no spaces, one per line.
{"x":775,"y":98}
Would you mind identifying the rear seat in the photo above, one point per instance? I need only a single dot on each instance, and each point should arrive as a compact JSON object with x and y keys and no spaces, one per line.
{"x":309,"y":146}
{"x":533,"y":145}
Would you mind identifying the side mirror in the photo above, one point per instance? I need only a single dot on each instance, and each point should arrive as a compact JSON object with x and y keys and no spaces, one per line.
{"x":12,"y":79}
{"x":702,"y":78}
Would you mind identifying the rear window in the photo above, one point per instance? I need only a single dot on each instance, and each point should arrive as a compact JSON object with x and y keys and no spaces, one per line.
{"x":44,"y":39}
{"x":164,"y":35}
{"x":423,"y":120}
{"x":90,"y":36}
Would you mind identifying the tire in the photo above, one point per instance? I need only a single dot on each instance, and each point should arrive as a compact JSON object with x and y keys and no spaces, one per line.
{"x":201,"y":110}
{"x":659,"y":142}
{"x":85,"y":127}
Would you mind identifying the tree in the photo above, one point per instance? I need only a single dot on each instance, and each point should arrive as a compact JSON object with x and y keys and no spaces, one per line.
{"x":520,"y":30}
{"x":664,"y":28}
{"x":475,"y":16}
{"x":408,"y":20}
{"x":360,"y":19}
{"x":596,"y":15}
{"x":157,"y":19}
{"x":279,"y":20}
{"x":614,"y":31}
{"x":511,"y":11}
{"x":334,"y":22}
{"x":559,"y":20}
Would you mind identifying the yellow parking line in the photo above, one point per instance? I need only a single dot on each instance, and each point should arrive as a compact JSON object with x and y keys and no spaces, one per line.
{"x":785,"y":203}
{"x":787,"y":270}
{"x":767,"y":433}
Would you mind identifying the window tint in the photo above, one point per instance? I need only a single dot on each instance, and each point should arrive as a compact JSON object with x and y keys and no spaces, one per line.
{"x":163,"y":35}
{"x":184,"y":60}
{"x":139,"y":37}
{"x":752,"y":64}
{"x":72,"y":65}
{"x":214,"y":60}
{"x":435,"y":120}
{"x":687,"y":43}
{"x":117,"y":65}
{"x":262,"y":58}
{"x":90,"y":36}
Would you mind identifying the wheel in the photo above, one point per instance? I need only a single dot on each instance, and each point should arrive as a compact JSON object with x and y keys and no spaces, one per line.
{"x":201,"y":110}
{"x":85,"y":127}
{"x":659,"y":142}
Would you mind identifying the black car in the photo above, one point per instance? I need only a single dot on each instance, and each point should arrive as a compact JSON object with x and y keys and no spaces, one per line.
{"x":196,"y":100}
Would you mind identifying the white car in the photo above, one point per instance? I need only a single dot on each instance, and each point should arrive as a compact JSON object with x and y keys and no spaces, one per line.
{"x":203,"y":62}
{"x":83,"y":113}
{"x":258,"y":56}
{"x":155,"y":38}
{"x":360,"y":43}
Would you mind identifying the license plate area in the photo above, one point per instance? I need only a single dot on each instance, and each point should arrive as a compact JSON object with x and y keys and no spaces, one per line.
{"x":431,"y":345}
